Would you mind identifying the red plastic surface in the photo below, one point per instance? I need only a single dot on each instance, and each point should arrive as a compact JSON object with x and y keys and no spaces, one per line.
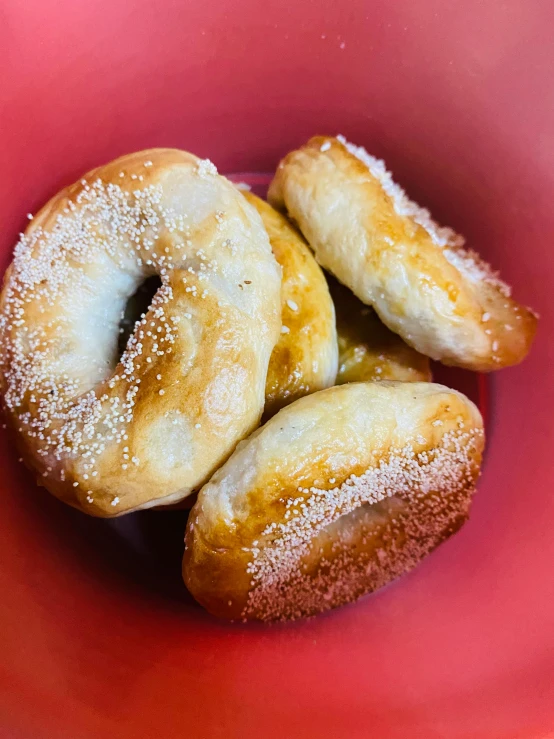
{"x":98,"y":638}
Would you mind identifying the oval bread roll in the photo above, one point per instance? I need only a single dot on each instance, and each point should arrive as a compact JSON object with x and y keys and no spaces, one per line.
{"x":442,"y":299}
{"x":335,"y":496}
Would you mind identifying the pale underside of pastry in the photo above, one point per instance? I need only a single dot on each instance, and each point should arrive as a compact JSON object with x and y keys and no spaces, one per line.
{"x":368,"y":350}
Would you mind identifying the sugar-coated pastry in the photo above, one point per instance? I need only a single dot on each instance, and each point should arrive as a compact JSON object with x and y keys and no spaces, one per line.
{"x":305,"y":358}
{"x":442,"y":299}
{"x":110,"y":434}
{"x":368,"y":350}
{"x":338,"y":494}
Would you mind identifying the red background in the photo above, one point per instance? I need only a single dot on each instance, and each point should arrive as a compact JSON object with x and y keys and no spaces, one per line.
{"x":98,"y":638}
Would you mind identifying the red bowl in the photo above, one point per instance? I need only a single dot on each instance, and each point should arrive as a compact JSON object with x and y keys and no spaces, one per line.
{"x":99,"y":638}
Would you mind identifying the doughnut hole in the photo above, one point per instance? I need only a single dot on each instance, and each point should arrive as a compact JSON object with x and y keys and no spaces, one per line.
{"x":137,"y":305}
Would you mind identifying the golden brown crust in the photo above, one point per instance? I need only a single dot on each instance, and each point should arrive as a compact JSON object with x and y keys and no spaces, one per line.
{"x":368,"y":350}
{"x":336,"y":495}
{"x":110,"y":437}
{"x":305,"y":358}
{"x":439,"y":297}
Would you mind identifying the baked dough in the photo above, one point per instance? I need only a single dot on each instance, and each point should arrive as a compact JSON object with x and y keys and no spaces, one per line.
{"x":335,"y":496}
{"x":305,"y":358}
{"x":110,"y":435}
{"x":442,"y":299}
{"x":368,"y":350}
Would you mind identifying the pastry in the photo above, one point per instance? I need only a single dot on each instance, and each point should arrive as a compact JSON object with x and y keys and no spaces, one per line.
{"x":335,"y":496}
{"x":110,"y":434}
{"x":441,"y":298}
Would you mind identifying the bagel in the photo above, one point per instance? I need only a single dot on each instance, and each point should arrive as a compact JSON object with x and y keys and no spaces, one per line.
{"x":305,"y":358}
{"x":442,"y":299}
{"x":111,"y":435}
{"x":368,"y":351}
{"x":335,"y":496}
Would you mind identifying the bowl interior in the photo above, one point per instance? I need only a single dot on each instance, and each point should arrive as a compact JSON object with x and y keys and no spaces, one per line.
{"x":458,"y":99}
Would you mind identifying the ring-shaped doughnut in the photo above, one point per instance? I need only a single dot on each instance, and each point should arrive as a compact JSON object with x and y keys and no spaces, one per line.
{"x":110,"y":435}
